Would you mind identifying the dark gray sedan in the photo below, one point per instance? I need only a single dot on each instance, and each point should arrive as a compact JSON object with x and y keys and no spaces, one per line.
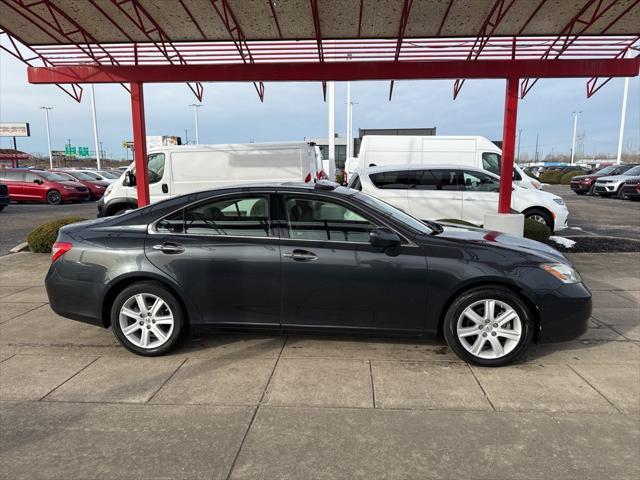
{"x":318,"y":257}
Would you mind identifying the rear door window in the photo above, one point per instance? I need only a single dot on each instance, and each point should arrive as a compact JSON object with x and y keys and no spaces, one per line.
{"x":480,"y":182}
{"x":437,"y":179}
{"x":14,"y":176}
{"x":395,"y":180}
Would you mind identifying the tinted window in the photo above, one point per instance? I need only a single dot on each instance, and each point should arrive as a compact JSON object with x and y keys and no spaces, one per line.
{"x":491,"y":162}
{"x":30,"y":177}
{"x":622,"y":169}
{"x":480,"y":182}
{"x":437,"y":180}
{"x":155,"y":169}
{"x":391,"y":180}
{"x":606,"y":170}
{"x":311,"y":219}
{"x":93,"y":176}
{"x":52,"y":177}
{"x":244,"y":217}
{"x":633,"y":171}
{"x":14,"y":176}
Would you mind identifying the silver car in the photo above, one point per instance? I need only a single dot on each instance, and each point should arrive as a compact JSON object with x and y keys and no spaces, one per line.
{"x":612,"y":185}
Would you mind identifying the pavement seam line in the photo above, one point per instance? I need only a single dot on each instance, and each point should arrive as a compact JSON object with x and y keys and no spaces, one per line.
{"x":68,"y":379}
{"x":10,"y":356}
{"x":484,"y":392}
{"x":23,"y":313}
{"x":373,"y":387}
{"x":594,"y":387}
{"x":167,"y":380}
{"x":255,"y":412}
{"x":14,"y":293}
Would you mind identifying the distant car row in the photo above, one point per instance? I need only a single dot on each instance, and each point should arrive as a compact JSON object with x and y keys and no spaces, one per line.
{"x":53,"y":186}
{"x":621,"y":181}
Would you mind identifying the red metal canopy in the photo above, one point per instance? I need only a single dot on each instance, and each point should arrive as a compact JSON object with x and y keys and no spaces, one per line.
{"x":68,"y":42}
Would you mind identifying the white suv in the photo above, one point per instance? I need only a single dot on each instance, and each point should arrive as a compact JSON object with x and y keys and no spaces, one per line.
{"x":612,"y":185}
{"x":438,"y":192}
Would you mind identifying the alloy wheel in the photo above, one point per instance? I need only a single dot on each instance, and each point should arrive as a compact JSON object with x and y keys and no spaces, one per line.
{"x":489,"y":329}
{"x":146,"y":320}
{"x":538,"y":218}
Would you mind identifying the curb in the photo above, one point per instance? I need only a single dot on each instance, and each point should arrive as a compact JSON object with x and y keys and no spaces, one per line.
{"x":21,"y":247}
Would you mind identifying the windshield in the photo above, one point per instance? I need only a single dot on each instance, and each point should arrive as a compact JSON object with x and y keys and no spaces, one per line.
{"x":635,"y":171}
{"x":391,"y":211}
{"x":80,"y":176}
{"x":93,"y":176}
{"x":53,"y":177}
{"x":109,"y":174}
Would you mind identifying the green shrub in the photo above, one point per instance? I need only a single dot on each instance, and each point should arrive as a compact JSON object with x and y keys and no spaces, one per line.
{"x":42,"y":238}
{"x":551,"y":177}
{"x":536,"y":230}
{"x":458,"y":222}
{"x":566,"y":178}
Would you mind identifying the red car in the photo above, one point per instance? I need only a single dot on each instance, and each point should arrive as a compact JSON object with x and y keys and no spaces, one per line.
{"x":42,"y":186}
{"x":96,"y":187}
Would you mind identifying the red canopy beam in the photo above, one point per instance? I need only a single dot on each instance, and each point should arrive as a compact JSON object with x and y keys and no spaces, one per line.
{"x":318,"y":31}
{"x":508,"y":145}
{"x":496,"y":14}
{"x":570,"y":34}
{"x":404,"y":19}
{"x":228,"y":19}
{"x":338,"y":71}
{"x":139,"y":143}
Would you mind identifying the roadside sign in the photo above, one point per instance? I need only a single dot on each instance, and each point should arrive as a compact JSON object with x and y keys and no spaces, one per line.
{"x":14,"y":130}
{"x":69,"y":151}
{"x":83,"y":152}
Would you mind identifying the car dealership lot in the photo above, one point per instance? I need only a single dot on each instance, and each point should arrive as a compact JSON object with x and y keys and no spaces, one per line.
{"x":76,"y":405}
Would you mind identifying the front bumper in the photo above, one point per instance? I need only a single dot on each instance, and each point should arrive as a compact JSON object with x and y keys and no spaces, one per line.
{"x":580,"y":187}
{"x":606,"y":188}
{"x":564,"y":313}
{"x":68,"y":196}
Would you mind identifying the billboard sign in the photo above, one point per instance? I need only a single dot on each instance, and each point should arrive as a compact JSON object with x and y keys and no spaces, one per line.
{"x":155,"y":141}
{"x":14,"y":130}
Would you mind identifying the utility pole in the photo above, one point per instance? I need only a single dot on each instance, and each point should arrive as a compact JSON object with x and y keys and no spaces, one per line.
{"x":46,"y":118}
{"x":348,"y":154}
{"x":186,"y":137}
{"x":575,"y":126}
{"x":102,"y":155}
{"x":519,"y":136}
{"x":623,"y":114}
{"x":536,"y":157}
{"x":95,"y":126}
{"x":332,"y":129}
{"x":195,"y":114}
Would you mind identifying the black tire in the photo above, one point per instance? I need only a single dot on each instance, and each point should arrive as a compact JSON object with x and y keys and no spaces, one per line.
{"x":2,"y":207}
{"x":539,"y":215}
{"x":159,"y":290}
{"x":580,"y":192}
{"x":592,"y":190}
{"x":620,"y":194}
{"x":54,"y":197}
{"x":495,"y":293}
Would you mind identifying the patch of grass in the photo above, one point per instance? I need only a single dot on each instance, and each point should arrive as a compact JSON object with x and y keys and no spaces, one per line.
{"x":42,"y":238}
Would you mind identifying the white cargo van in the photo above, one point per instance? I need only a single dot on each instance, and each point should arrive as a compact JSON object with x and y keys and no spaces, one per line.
{"x":176,"y":170}
{"x":471,"y":151}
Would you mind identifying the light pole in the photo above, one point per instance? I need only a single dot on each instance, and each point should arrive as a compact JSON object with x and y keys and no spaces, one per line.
{"x":575,"y":126}
{"x":95,"y":127}
{"x":46,"y":119}
{"x":519,"y":136}
{"x":623,"y":114}
{"x":195,"y":114}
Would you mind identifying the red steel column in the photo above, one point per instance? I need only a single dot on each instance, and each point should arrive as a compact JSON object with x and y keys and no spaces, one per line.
{"x":139,"y":143}
{"x":508,"y":145}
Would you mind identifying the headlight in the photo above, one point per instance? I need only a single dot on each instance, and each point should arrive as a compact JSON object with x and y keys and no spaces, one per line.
{"x":562,"y":272}
{"x":108,"y":190}
{"x":99,"y":187}
{"x":559,"y":201}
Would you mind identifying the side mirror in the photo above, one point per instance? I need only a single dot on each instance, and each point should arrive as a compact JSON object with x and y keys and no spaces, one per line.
{"x":384,"y":238}
{"x":131,"y":179}
{"x":38,"y":181}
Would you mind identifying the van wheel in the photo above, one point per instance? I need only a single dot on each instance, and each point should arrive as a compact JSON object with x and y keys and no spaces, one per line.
{"x":540,"y":216}
{"x":54,"y":197}
{"x":489,"y":326}
{"x":147,"y":319}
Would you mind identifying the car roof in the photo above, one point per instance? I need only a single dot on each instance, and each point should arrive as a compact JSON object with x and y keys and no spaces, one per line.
{"x":401,"y":167}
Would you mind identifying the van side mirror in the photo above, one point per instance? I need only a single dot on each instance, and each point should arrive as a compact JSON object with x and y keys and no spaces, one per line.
{"x":130,"y":178}
{"x":384,"y":238}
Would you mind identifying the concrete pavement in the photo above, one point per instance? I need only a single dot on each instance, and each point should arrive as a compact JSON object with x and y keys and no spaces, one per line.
{"x":74,"y":404}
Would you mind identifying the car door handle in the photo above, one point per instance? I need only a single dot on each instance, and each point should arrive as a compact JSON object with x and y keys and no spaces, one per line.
{"x":301,"y":256}
{"x":169,"y":248}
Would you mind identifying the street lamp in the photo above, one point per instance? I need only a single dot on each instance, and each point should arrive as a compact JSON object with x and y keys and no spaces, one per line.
{"x":95,"y":127}
{"x":46,"y":118}
{"x":195,"y":114}
{"x":575,"y":126}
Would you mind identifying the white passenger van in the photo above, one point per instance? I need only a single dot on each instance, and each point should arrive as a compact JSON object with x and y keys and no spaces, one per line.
{"x":176,"y":170}
{"x":470,"y":151}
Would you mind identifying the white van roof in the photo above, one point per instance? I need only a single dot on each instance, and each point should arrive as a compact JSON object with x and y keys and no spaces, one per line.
{"x":377,"y":140}
{"x":230,"y":146}
{"x":394,"y":168}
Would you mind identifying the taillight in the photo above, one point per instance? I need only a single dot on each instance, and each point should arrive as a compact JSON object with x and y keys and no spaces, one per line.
{"x":58,"y":249}
{"x":307,"y":179}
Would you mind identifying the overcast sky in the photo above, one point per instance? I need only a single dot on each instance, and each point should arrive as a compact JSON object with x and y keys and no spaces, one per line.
{"x":232,"y":113}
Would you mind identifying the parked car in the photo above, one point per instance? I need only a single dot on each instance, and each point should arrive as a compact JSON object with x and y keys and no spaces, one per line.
{"x":5,"y":198}
{"x":110,"y":174}
{"x":471,"y":151}
{"x":176,"y":170}
{"x":583,"y":184}
{"x":261,"y":256}
{"x":42,"y":186}
{"x":96,"y":187}
{"x":612,"y":184}
{"x":93,"y":174}
{"x":631,"y":188}
{"x":453,"y":192}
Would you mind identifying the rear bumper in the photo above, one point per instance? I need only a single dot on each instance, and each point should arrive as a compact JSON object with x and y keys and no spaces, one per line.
{"x":564,"y":313}
{"x":606,"y":188}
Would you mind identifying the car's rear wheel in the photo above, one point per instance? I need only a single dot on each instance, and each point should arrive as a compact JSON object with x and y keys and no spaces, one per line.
{"x":489,"y":326}
{"x":621,"y":195}
{"x":540,"y":216}
{"x":147,"y":318}
{"x":54,"y":197}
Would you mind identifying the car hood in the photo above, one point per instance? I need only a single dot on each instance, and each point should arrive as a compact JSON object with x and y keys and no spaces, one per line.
{"x":99,"y":183}
{"x":69,"y":183}
{"x":503,"y":241}
{"x":583,"y":177}
{"x":614,"y":177}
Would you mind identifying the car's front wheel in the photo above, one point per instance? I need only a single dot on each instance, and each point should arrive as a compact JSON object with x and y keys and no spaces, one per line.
{"x":540,"y":216}
{"x":54,"y":197}
{"x":147,"y":318}
{"x":489,"y":326}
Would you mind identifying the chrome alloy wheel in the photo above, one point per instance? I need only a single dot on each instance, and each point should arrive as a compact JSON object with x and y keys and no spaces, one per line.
{"x":538,"y":218}
{"x":146,"y":320}
{"x":489,"y":329}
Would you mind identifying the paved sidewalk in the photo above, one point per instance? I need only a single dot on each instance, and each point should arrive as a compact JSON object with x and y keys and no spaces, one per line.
{"x":75,"y":405}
